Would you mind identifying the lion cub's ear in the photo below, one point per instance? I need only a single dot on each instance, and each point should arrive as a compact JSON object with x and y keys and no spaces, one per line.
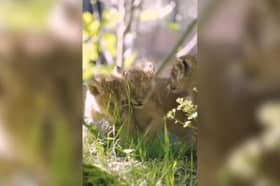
{"x":94,"y":87}
{"x":124,"y":74}
{"x":147,"y":67}
{"x":118,"y":72}
{"x":187,"y":63}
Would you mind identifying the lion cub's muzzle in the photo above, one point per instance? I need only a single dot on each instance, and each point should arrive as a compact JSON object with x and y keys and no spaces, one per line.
{"x":138,"y":104}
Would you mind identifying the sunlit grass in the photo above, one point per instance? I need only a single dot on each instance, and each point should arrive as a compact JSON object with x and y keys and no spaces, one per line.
{"x":164,"y":161}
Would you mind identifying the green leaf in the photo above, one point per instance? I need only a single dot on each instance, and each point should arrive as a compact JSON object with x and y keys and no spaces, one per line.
{"x":104,"y":69}
{"x":110,"y":43}
{"x":129,"y":60}
{"x":111,"y":18}
{"x":87,"y":74}
{"x":93,"y":28}
{"x":90,"y":52}
{"x":174,"y":26}
{"x":87,"y":18}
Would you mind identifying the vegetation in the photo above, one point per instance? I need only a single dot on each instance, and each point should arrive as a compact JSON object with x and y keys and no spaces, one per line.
{"x":165,"y":161}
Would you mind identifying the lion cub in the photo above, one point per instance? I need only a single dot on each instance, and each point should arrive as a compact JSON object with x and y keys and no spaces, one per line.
{"x":149,"y":115}
{"x":106,"y":100}
{"x":183,"y":75}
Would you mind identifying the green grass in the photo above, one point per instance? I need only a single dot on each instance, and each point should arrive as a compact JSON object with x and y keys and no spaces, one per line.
{"x":165,"y":161}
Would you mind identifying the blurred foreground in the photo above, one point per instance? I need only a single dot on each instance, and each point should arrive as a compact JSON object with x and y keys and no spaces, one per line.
{"x":239,"y":51}
{"x":40,"y":94}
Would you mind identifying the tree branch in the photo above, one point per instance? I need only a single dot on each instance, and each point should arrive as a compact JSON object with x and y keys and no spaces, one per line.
{"x":126,"y":9}
{"x":172,"y":54}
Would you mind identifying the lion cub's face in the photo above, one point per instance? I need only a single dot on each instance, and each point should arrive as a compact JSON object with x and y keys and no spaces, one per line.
{"x":140,"y":81}
{"x":182,"y":74}
{"x":109,"y":92}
